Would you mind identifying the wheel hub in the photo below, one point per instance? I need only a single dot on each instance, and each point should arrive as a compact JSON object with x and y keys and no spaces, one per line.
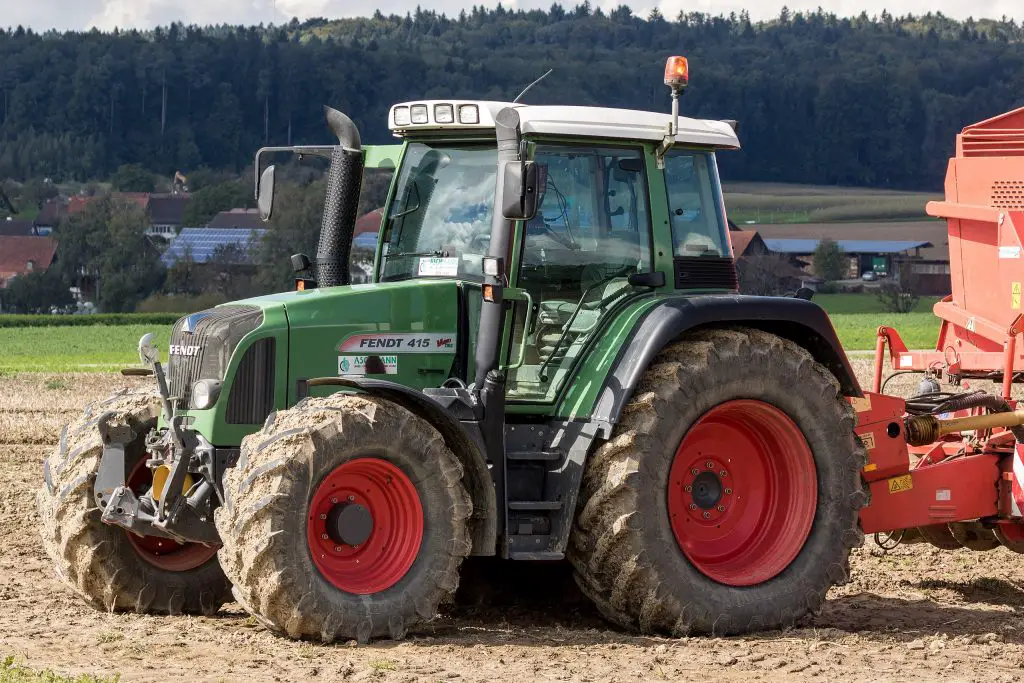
{"x":707,"y":490}
{"x":349,"y":524}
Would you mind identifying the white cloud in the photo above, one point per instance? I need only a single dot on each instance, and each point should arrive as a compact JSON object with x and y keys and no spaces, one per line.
{"x":106,"y":14}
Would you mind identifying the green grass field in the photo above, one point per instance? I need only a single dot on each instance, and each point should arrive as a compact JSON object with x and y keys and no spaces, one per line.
{"x":781,"y":203}
{"x":91,"y":348}
{"x":11,"y":671}
{"x":104,"y":348}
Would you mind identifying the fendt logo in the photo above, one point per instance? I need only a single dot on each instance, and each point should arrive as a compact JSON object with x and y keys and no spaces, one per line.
{"x":180,"y":350}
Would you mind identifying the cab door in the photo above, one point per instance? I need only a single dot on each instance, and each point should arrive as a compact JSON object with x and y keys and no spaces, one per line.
{"x":591,"y":232}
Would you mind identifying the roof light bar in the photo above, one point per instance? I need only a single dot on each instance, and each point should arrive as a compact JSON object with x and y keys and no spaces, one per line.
{"x":419,"y":114}
{"x":402,"y":117}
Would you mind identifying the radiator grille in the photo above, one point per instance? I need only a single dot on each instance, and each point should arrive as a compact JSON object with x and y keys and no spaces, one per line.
{"x":208,"y":339}
{"x":1008,"y":194}
{"x":252,"y":389}
{"x":705,"y":272}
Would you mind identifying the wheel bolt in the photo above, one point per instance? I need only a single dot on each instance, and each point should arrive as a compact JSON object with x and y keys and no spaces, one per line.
{"x":688,"y":488}
{"x":337,"y":548}
{"x":723,"y":473}
{"x":693,"y":506}
{"x":334,"y":500}
{"x":351,"y":498}
{"x":323,"y":516}
{"x":694,"y":471}
{"x":728,"y":491}
{"x":707,"y":514}
{"x":721,"y":508}
{"x":323,"y":537}
{"x":710,"y":465}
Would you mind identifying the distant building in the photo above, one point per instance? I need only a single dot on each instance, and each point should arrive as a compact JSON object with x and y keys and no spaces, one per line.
{"x":248,"y":219}
{"x":166,"y":213}
{"x":20,"y":255}
{"x":883,"y":248}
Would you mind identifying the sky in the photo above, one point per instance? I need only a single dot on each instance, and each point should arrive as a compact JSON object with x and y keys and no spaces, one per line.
{"x":42,"y":15}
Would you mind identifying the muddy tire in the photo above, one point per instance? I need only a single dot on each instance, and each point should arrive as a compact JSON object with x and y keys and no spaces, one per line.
{"x":727,"y":499}
{"x":107,"y":566}
{"x":346,"y":517}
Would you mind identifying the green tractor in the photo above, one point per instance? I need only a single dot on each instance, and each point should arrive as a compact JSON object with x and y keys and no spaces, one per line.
{"x":551,"y":363}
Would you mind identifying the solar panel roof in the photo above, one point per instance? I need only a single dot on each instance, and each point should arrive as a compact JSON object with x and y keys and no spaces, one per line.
{"x":202,"y":243}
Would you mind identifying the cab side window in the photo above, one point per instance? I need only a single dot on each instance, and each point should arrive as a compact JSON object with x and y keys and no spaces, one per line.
{"x":694,"y":210}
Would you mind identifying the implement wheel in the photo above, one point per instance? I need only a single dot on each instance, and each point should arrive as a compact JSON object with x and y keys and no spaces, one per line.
{"x":727,"y":499}
{"x":110,"y":567}
{"x":345,"y":518}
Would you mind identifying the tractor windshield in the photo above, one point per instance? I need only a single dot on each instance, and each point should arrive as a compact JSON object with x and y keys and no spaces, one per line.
{"x":439,"y":223}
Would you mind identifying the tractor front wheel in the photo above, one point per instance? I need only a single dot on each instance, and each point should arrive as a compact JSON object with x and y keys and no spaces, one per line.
{"x":346,"y":517}
{"x":727,"y":499}
{"x":111,"y":568}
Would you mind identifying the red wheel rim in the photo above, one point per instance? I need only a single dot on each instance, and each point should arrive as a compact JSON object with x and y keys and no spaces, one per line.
{"x":163,"y":553}
{"x":381,"y":555}
{"x":749,"y":528}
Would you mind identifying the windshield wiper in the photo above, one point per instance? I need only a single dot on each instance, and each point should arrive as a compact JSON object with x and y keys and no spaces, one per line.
{"x":438,"y":253}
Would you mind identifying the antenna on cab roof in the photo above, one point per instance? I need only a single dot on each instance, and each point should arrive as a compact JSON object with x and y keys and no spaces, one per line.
{"x":527,"y":88}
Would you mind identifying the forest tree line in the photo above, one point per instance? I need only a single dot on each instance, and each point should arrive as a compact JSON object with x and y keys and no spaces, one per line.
{"x":821,"y":99}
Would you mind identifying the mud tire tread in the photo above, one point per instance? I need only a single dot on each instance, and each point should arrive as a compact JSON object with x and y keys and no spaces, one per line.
{"x":263,"y":528}
{"x":625,"y":556}
{"x":94,"y":559}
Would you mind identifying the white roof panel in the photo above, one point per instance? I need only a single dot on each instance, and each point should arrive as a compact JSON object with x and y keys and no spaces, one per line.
{"x":593,"y":122}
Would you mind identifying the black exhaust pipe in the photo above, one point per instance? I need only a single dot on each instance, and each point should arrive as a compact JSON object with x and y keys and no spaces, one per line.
{"x":344,"y":180}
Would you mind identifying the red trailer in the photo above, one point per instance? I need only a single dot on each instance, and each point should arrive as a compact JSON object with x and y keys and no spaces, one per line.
{"x":943,"y":467}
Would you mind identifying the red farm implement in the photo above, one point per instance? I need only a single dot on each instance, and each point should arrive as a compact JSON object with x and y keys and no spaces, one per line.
{"x":947,"y":468}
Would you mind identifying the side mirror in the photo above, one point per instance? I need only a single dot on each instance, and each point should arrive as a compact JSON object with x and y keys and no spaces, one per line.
{"x":265,"y":193}
{"x":521,"y":190}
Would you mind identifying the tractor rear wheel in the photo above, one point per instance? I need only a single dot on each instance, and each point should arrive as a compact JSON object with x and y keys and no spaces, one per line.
{"x":111,"y":568}
{"x":727,"y":498}
{"x":346,"y":517}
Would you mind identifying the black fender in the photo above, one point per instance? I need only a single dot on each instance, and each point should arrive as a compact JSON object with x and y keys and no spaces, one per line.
{"x":798,"y":320}
{"x":476,"y":475}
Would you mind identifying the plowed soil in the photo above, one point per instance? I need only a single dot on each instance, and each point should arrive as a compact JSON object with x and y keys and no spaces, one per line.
{"x":913,"y":613}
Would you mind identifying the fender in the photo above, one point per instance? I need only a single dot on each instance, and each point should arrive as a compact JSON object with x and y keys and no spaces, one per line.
{"x":798,"y":320}
{"x":476,"y":475}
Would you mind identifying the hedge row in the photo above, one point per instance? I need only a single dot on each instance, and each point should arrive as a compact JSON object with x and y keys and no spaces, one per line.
{"x":94,"y":319}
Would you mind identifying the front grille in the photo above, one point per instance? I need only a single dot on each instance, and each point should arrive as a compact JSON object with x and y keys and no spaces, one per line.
{"x":705,"y":272}
{"x":252,"y":389}
{"x":214,"y":335}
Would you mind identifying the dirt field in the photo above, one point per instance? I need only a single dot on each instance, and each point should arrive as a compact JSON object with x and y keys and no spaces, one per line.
{"x":915,"y":613}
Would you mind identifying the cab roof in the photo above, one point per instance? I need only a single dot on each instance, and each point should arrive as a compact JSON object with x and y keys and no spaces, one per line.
{"x":590,"y":122}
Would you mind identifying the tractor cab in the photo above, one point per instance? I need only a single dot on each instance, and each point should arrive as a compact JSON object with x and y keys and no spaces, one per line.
{"x":611,"y":219}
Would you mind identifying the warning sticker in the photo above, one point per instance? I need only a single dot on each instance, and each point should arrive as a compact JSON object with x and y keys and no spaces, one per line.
{"x":1015,"y":295}
{"x":900,"y":484}
{"x":861,"y":404}
{"x":1009,"y":252}
{"x":367,"y":365}
{"x":411,"y":342}
{"x":943,"y":494}
{"x":867,"y":440}
{"x":906,"y":360}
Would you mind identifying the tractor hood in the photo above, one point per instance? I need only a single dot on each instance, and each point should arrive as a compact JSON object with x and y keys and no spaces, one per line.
{"x":406,"y":331}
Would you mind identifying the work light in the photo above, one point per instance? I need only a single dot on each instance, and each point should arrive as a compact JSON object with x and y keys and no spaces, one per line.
{"x":419,"y":113}
{"x":444,"y":113}
{"x":402,"y":116}
{"x":469,"y":114}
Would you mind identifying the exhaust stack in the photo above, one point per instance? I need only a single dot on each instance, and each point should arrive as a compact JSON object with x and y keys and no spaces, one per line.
{"x":331,"y":266}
